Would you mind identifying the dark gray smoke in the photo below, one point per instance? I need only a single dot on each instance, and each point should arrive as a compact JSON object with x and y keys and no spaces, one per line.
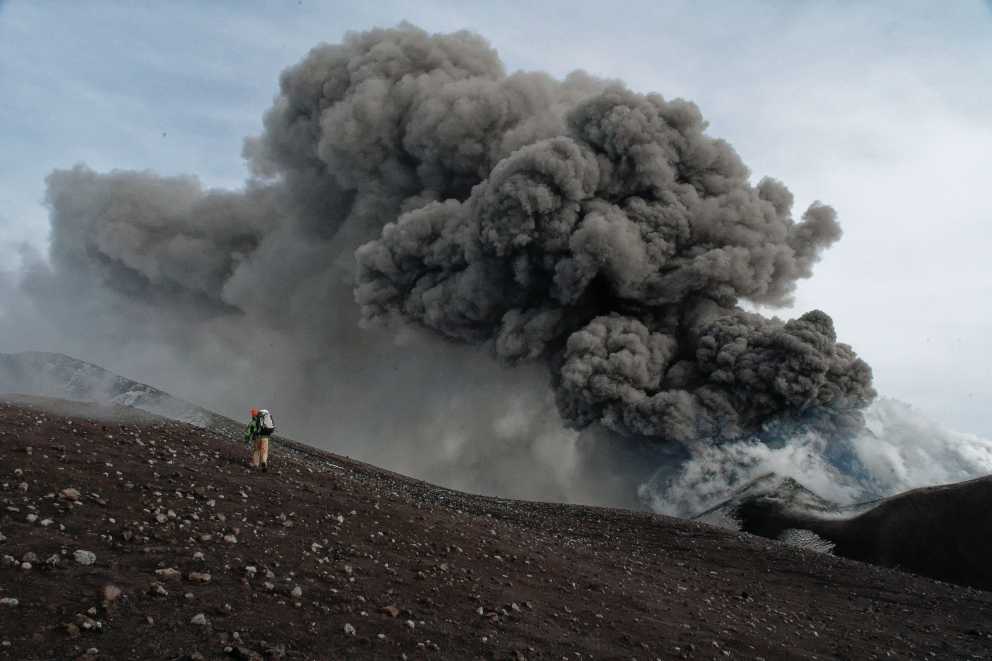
{"x":617,"y":252}
{"x":569,"y":223}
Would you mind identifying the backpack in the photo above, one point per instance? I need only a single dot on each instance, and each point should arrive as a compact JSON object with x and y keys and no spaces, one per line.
{"x":265,"y":423}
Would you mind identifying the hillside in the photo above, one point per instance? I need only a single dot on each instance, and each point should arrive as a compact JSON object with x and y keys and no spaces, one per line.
{"x":129,"y":536}
{"x":944,"y":532}
{"x":64,"y":377}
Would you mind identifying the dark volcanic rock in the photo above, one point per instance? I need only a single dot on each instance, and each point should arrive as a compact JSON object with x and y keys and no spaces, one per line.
{"x":944,"y":532}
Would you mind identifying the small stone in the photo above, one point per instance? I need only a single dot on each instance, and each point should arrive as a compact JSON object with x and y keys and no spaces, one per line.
{"x":23,"y":486}
{"x":31,"y":518}
{"x":348,"y":629}
{"x":84,"y":557}
{"x":410,"y":624}
{"x":169,"y":574}
{"x":8,"y":601}
{"x":297,"y":592}
{"x":158,"y":590}
{"x":26,"y":566}
{"x":391,"y":611}
{"x":110,"y":593}
{"x":46,"y":522}
{"x":199,"y":619}
{"x":230,"y":539}
{"x":72,"y":630}
{"x":70,"y":494}
{"x":161,"y":518}
{"x":198,"y":555}
{"x":199,"y":577}
{"x":30,"y":556}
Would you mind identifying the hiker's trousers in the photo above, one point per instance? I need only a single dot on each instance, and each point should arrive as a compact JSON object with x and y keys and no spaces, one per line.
{"x":260,"y":453}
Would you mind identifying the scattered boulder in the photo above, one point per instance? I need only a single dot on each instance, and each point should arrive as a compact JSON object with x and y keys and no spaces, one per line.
{"x":158,"y":590}
{"x":110,"y":593}
{"x":85,"y":558}
{"x":168,"y":574}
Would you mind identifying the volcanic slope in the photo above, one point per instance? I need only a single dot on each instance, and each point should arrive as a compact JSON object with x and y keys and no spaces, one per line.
{"x":126,"y":536}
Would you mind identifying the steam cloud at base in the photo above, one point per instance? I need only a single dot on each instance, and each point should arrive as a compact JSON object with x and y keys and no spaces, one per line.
{"x":590,"y":237}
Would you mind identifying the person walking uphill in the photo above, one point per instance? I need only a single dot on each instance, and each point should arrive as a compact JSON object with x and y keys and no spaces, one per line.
{"x":257,"y":435}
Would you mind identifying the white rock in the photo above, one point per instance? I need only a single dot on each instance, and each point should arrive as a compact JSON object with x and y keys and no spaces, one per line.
{"x":84,"y":557}
{"x":199,"y":577}
{"x":169,"y":574}
{"x":199,"y":619}
{"x":348,"y":629}
{"x":110,"y":592}
{"x":8,"y":601}
{"x":297,"y":592}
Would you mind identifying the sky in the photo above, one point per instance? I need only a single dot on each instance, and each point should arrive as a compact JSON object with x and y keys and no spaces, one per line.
{"x":883,"y":110}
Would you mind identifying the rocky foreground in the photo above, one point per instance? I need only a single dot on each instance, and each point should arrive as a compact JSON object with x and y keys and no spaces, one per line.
{"x":124,"y":536}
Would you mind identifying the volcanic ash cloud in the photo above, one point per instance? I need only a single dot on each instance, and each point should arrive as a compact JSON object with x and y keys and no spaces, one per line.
{"x":572,"y":224}
{"x":617,"y":253}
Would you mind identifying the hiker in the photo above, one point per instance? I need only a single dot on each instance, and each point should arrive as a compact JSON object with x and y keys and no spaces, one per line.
{"x":257,"y":436}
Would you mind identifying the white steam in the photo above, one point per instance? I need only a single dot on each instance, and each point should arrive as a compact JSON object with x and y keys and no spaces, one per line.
{"x":899,"y":449}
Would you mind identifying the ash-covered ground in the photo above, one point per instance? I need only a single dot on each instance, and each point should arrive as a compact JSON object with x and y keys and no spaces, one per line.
{"x":129,"y":536}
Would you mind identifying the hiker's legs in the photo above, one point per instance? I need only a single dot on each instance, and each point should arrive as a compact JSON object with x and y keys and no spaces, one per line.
{"x":263,"y":448}
{"x":256,"y":452}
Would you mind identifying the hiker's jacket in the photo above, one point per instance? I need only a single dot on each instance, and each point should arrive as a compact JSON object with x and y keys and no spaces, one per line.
{"x":254,"y":429}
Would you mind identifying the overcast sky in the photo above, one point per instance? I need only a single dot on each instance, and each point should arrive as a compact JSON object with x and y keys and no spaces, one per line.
{"x":883,"y":110}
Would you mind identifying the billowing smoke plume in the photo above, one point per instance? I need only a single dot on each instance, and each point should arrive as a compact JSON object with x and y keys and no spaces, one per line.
{"x":598,"y":234}
{"x":617,"y":252}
